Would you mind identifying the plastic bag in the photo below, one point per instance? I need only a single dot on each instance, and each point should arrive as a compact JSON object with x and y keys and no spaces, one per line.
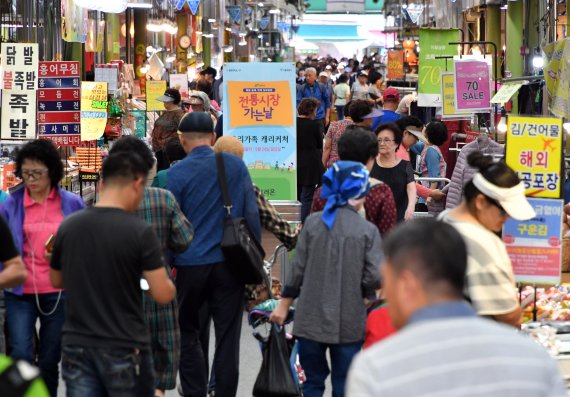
{"x":275,"y":378}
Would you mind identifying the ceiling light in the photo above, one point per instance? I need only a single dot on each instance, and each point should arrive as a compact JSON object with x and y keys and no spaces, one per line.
{"x":242,"y":42}
{"x":108,"y":6}
{"x":199,"y":32}
{"x":228,"y":48}
{"x":275,"y":11}
{"x":212,"y":20}
{"x":208,"y":35}
{"x":139,"y":4}
{"x":260,"y":5}
{"x":170,"y":58}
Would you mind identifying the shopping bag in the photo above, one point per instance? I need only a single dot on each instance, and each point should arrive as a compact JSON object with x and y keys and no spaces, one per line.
{"x":275,"y":378}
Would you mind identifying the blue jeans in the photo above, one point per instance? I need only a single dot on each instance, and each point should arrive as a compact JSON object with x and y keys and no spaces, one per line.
{"x":21,"y":316}
{"x":340,"y":112}
{"x":313,"y":358}
{"x":107,"y":372}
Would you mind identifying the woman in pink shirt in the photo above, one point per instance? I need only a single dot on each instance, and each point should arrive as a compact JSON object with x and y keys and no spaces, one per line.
{"x":34,"y":213}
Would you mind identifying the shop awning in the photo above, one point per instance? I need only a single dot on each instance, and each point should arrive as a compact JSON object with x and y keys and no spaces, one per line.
{"x":329,"y":33}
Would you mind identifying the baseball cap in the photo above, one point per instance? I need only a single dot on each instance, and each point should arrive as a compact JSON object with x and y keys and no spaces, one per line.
{"x":198,"y":122}
{"x":170,"y":95}
{"x":209,"y":70}
{"x":373,"y":114}
{"x":415,"y":131}
{"x":329,"y":67}
{"x":323,"y":74}
{"x":391,"y":94}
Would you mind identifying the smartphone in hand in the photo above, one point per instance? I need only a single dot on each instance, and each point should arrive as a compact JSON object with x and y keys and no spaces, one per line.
{"x":49,"y":244}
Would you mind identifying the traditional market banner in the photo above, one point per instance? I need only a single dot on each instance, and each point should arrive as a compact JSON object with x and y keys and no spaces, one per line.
{"x":557,"y":76}
{"x":154,"y":89}
{"x":59,"y":101}
{"x":434,"y":42}
{"x":395,"y":69}
{"x":180,"y":82}
{"x":535,"y":246}
{"x":260,"y":112}
{"x":506,"y":92}
{"x":472,"y":85}
{"x":19,"y":85}
{"x":93,"y":110}
{"x":448,"y":97}
{"x":534,"y":150}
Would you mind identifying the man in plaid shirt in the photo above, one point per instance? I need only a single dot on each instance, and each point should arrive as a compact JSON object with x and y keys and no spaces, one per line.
{"x":160,"y":210}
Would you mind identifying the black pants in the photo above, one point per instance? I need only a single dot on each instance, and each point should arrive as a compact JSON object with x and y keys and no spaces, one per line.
{"x":215,"y":285}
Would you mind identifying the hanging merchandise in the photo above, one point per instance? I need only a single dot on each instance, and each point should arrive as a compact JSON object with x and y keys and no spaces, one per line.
{"x":264,"y":22}
{"x":235,"y":13}
{"x":109,"y":6}
{"x":557,"y":76}
{"x":74,"y":25}
{"x":19,"y":84}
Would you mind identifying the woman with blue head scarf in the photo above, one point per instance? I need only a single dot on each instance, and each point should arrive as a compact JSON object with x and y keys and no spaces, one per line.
{"x":335,"y":272}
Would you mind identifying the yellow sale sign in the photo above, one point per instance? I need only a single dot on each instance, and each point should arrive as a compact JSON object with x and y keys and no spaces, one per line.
{"x":154,"y":89}
{"x":93,"y":110}
{"x":534,"y":151}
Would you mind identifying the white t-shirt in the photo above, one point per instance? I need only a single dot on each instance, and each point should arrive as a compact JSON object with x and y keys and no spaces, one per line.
{"x":341,"y":92}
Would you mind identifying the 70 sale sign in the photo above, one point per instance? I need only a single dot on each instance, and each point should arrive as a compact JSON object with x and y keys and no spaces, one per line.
{"x":472,"y":85}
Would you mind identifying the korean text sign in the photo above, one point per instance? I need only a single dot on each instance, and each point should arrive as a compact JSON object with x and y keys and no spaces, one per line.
{"x":434,"y":43}
{"x":395,"y":69}
{"x":472,"y":85}
{"x":19,"y":85}
{"x":260,"y":112}
{"x":93,"y":110}
{"x":534,"y":151}
{"x":535,"y":246}
{"x":448,"y":97}
{"x":59,"y":99}
{"x":154,"y":89}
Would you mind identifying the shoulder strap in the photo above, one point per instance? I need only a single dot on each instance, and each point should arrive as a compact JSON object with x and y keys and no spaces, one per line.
{"x":223,"y":182}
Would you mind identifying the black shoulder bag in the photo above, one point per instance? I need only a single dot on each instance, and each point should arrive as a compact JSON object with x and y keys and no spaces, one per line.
{"x":241,"y":249}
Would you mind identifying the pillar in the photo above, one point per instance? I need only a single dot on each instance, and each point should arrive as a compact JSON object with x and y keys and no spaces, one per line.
{"x":181,"y":53}
{"x":139,"y":22}
{"x":493,"y":33}
{"x":113,"y":28}
{"x":515,"y":65}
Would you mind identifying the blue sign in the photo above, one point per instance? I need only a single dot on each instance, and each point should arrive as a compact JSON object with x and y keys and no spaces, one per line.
{"x":60,"y":82}
{"x":54,"y":106}
{"x":180,"y":4}
{"x":59,"y":129}
{"x":264,"y":22}
{"x":235,"y":13}
{"x":193,"y":4}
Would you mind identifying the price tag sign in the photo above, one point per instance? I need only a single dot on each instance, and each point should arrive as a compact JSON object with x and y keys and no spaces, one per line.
{"x":472,"y":85}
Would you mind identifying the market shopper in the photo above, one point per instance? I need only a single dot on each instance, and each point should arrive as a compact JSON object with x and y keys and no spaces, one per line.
{"x":100,"y":255}
{"x":34,"y":213}
{"x":173,"y":152}
{"x":341,"y":96}
{"x":494,"y":194}
{"x":311,"y":88}
{"x":160,"y":210}
{"x":390,"y":100}
{"x":162,"y":130}
{"x":203,"y":276}
{"x":359,"y":89}
{"x":395,"y":172}
{"x":442,"y":347}
{"x":432,"y":163}
{"x":359,"y":144}
{"x":199,"y":102}
{"x":309,"y":154}
{"x":337,"y":247}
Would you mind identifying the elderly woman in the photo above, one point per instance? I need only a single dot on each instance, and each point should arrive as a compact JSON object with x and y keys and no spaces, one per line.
{"x":337,"y":247}
{"x":199,"y":102}
{"x":34,"y":214}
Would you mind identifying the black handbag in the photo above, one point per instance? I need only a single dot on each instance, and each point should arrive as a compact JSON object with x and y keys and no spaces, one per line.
{"x":243,"y":253}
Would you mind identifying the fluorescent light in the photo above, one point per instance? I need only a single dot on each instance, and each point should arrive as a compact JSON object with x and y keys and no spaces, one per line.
{"x":242,"y":42}
{"x":228,"y":48}
{"x":275,"y":11}
{"x":260,"y":4}
{"x":11,"y":25}
{"x":198,"y":32}
{"x":212,"y":20}
{"x":208,"y":35}
{"x":139,"y":5}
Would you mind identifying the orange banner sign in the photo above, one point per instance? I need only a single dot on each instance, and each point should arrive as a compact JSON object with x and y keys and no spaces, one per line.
{"x":395,"y":68}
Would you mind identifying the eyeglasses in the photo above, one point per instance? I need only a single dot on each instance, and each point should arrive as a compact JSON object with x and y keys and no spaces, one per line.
{"x":381,"y":141}
{"x":34,"y":174}
{"x":498,"y":205}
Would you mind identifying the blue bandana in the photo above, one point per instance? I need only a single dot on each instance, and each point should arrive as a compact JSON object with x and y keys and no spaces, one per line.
{"x":343,"y":181}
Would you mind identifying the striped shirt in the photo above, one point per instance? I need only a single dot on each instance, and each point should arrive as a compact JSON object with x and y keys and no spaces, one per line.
{"x":455,"y":357}
{"x":490,"y":279}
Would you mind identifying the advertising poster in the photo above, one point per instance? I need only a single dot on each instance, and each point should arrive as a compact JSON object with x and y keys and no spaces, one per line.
{"x":434,"y":43}
{"x":260,"y":112}
{"x":19,"y":85}
{"x":93,"y":110}
{"x":535,"y":246}
{"x":557,"y":76}
{"x":472,"y":85}
{"x":506,"y":92}
{"x":59,"y":111}
{"x":448,"y":96}
{"x":534,"y":150}
{"x":180,"y":82}
{"x":395,"y":69}
{"x":154,"y":89}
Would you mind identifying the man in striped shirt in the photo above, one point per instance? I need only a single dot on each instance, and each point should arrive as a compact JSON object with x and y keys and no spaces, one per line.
{"x":442,"y":348}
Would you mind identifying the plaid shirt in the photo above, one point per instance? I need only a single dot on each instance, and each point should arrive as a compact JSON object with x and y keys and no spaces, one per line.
{"x":272,"y":221}
{"x":160,"y":210}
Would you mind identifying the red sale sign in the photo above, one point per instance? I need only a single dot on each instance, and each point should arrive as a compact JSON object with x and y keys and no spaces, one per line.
{"x":472,"y":85}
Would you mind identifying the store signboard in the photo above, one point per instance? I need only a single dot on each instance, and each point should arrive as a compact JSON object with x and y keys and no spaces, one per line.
{"x":260,"y":112}
{"x":534,"y":150}
{"x":449,"y":112}
{"x":395,"y":69}
{"x":154,"y":89}
{"x":180,"y":82}
{"x":19,"y":85}
{"x":93,"y":110}
{"x":472,"y":85}
{"x":535,"y":246}
{"x":434,"y":43}
{"x":59,"y":102}
{"x":506,"y":92}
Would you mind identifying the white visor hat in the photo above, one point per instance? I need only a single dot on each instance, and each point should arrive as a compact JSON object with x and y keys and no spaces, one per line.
{"x":512,"y":199}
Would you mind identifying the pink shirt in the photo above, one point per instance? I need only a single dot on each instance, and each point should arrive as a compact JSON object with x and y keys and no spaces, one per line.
{"x":421,"y":190}
{"x":40,"y":222}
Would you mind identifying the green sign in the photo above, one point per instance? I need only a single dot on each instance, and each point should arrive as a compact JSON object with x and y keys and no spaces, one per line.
{"x":139,"y":123}
{"x":434,"y":43}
